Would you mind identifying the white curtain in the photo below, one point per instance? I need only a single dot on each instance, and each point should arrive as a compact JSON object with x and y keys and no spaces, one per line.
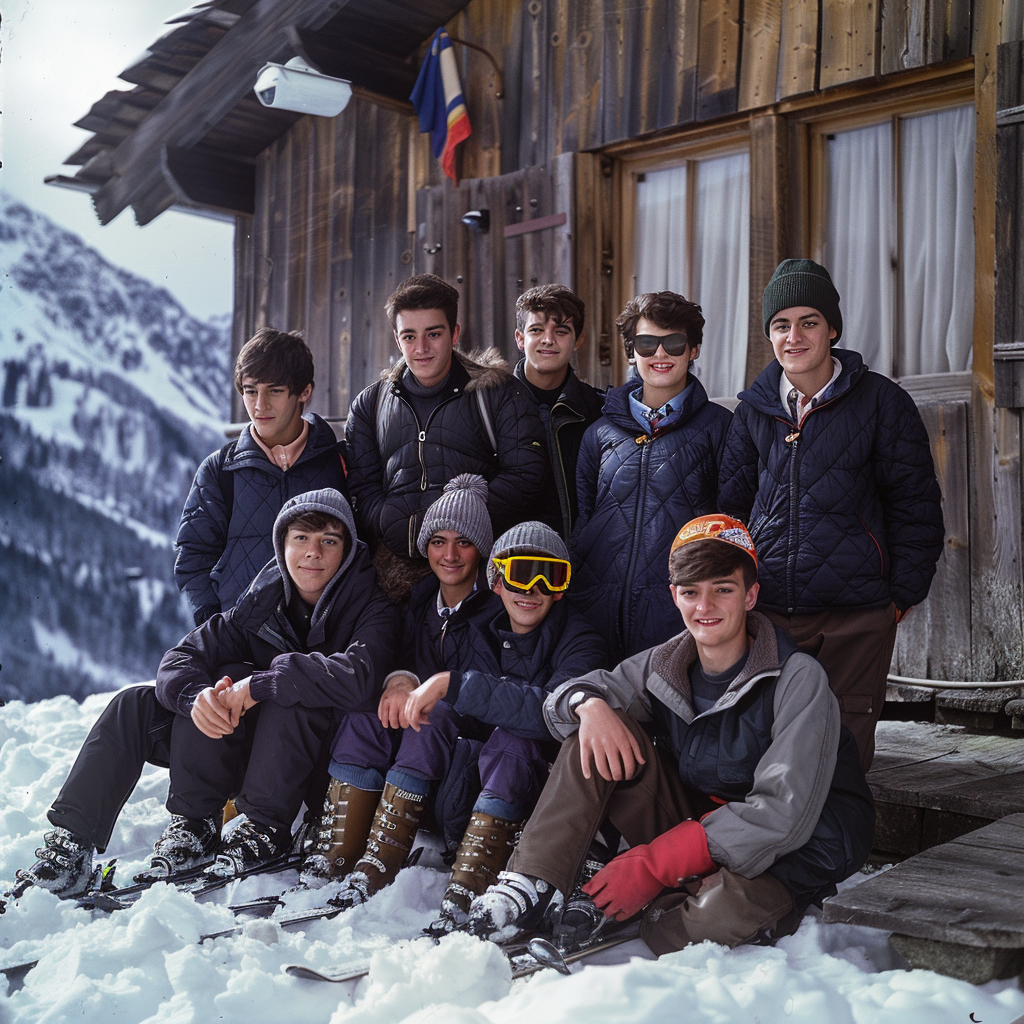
{"x":932,"y":330}
{"x":719,"y":239}
{"x":937,"y":178}
{"x":721,"y":271}
{"x":661,"y":237}
{"x":860,"y":247}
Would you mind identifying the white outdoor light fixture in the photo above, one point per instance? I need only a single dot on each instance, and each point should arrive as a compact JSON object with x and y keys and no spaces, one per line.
{"x":296,"y":86}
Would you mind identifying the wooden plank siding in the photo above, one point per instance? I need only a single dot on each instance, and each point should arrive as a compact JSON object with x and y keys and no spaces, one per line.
{"x":346,"y":208}
{"x":934,"y":641}
{"x":849,"y":41}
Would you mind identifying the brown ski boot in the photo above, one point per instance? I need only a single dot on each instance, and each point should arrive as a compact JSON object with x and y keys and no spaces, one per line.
{"x":391,"y":836}
{"x":483,"y":852}
{"x":341,"y":835}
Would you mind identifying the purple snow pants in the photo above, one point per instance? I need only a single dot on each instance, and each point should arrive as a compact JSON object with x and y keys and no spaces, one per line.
{"x":511,"y":768}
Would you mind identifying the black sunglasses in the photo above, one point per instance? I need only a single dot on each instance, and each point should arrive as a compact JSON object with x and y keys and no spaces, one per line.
{"x":647,"y":344}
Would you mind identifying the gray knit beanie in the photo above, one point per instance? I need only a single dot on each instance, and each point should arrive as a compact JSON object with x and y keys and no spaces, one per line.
{"x":462,"y":507}
{"x":530,"y":538}
{"x":802,"y":283}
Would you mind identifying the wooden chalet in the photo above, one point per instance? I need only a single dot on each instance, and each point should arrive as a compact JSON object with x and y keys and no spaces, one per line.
{"x":624,"y":146}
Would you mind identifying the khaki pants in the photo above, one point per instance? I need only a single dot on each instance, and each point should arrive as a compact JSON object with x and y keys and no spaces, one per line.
{"x":854,"y":647}
{"x":727,"y":908}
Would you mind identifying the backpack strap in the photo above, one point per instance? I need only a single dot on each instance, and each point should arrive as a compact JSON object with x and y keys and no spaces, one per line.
{"x":226,"y":479}
{"x":485,"y":417}
{"x":377,"y":419}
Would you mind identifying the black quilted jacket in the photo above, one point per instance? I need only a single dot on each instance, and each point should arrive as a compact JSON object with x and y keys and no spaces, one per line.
{"x":635,"y":492}
{"x":219,"y":549}
{"x":845,"y":512}
{"x":342,"y":663}
{"x":565,"y":423}
{"x":399,"y":466}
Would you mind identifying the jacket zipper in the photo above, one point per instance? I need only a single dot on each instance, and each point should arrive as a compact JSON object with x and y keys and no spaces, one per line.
{"x":645,"y":441}
{"x":563,"y":491}
{"x":793,"y":439}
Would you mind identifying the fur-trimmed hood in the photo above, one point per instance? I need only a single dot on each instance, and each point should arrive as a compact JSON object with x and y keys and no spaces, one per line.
{"x":486,"y":368}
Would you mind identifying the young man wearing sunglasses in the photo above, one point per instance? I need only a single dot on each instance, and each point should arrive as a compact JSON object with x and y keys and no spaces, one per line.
{"x":508,"y":664}
{"x":845,"y":453}
{"x":747,"y":807}
{"x":649,"y":463}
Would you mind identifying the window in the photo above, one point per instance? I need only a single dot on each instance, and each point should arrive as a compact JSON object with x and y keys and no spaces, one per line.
{"x":691,"y":234}
{"x":896,"y":232}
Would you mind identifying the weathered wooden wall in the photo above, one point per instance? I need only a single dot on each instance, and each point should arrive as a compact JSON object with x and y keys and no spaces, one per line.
{"x":329,"y":243}
{"x":583,"y":74}
{"x":348,"y":207}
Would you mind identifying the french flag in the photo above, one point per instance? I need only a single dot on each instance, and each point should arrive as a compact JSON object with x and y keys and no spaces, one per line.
{"x":437,"y":97}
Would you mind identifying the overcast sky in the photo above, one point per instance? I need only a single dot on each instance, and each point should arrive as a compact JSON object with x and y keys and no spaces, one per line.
{"x":59,"y":57}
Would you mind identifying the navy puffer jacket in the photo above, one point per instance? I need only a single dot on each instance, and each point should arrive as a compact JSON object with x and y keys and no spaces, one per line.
{"x":220,"y":549}
{"x":635,"y":492}
{"x":511,"y":673}
{"x":342,"y":664}
{"x":845,"y":511}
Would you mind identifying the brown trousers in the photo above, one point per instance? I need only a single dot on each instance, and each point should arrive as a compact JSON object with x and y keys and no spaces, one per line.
{"x":854,"y":647}
{"x":727,"y":908}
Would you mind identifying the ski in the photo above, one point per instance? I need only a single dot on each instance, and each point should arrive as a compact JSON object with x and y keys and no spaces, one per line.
{"x":194,"y":881}
{"x":526,"y":957}
{"x":542,"y":953}
{"x":285,"y":920}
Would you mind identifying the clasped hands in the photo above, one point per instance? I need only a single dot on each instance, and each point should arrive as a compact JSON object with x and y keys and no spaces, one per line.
{"x":219,"y":708}
{"x":404,"y":705}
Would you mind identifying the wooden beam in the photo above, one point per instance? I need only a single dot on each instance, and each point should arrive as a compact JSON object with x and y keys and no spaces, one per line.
{"x":986,"y":43}
{"x":525,"y":227}
{"x":363,"y":66}
{"x":212,"y":181}
{"x":205,"y":95}
{"x":769,"y":224}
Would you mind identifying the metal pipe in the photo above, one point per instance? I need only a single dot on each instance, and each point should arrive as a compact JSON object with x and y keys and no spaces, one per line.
{"x":942,"y":684}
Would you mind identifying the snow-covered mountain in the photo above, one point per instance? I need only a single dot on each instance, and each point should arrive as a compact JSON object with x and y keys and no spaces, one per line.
{"x":110,"y":395}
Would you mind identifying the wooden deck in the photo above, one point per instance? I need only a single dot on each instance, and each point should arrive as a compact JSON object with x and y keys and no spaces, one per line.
{"x":954,"y":908}
{"x":933,"y":783}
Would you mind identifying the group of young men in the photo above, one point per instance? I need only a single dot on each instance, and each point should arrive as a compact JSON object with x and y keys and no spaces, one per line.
{"x":678,"y":642}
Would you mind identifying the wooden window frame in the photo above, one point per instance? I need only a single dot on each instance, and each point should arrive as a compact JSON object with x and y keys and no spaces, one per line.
{"x":885,"y":104}
{"x":634,"y":159}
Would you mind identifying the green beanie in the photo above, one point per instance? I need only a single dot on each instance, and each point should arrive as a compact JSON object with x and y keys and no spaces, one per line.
{"x":802,"y":283}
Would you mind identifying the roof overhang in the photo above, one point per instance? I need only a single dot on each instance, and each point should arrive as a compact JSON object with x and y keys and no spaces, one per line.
{"x":189,"y":133}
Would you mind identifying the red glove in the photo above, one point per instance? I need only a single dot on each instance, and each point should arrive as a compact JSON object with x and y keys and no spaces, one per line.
{"x":634,"y":878}
{"x":902,"y":613}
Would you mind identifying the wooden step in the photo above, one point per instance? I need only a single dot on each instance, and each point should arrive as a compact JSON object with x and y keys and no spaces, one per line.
{"x":932,"y":783}
{"x":954,"y":908}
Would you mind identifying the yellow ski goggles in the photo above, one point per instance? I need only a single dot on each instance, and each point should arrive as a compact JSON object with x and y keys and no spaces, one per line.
{"x":523,"y":572}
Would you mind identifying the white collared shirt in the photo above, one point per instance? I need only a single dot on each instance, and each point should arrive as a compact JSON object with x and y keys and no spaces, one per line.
{"x":804,"y":402}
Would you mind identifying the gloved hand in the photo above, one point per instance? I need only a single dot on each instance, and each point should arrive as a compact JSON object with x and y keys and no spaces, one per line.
{"x":634,"y":878}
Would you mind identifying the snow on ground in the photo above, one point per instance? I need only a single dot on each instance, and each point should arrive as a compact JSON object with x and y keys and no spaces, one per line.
{"x":145,"y":966}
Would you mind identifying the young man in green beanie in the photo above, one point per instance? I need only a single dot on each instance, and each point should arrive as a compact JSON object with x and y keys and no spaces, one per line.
{"x":829,"y":465}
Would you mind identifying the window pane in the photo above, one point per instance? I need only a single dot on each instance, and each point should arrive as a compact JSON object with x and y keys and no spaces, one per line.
{"x":721,"y":271}
{"x":661,"y":256}
{"x":937,"y":280}
{"x":860,"y":246}
{"x":719,"y":240}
